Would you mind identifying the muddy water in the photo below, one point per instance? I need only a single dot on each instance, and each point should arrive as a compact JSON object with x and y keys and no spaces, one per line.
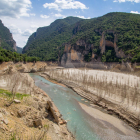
{"x":81,"y":124}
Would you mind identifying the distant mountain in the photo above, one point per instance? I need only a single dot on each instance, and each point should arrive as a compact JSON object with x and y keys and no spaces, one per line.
{"x":45,"y":41}
{"x":111,"y":38}
{"x":6,"y":39}
{"x":19,"y":50}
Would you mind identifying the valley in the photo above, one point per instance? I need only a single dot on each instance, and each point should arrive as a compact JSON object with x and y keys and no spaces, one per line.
{"x":74,"y":79}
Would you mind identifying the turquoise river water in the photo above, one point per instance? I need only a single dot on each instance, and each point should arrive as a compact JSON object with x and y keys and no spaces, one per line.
{"x":81,"y":124}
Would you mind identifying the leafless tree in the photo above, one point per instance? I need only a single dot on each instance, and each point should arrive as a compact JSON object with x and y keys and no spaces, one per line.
{"x":15,"y":80}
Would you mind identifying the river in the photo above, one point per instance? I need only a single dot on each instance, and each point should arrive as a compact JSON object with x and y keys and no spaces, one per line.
{"x":80,"y":123}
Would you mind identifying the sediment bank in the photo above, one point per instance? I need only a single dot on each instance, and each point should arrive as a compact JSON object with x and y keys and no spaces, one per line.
{"x":40,"y":102}
{"x":110,"y":107}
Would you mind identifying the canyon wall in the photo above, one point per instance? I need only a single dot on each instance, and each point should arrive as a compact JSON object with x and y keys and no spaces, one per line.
{"x":73,"y":56}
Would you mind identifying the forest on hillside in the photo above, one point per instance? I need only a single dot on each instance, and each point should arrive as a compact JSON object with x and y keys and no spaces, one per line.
{"x":6,"y":55}
{"x":48,"y":42}
{"x":6,"y":40}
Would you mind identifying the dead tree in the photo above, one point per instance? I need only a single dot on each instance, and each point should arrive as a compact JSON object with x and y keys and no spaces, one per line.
{"x":15,"y":80}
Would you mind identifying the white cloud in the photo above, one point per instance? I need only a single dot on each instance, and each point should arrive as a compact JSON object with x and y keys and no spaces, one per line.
{"x":27,"y":32}
{"x":65,"y":4}
{"x":135,"y":12}
{"x":59,"y":16}
{"x":44,"y":16}
{"x":22,"y":27}
{"x":33,"y":26}
{"x":15,"y":8}
{"x":14,"y":29}
{"x":83,"y":17}
{"x":32,"y":14}
{"x":136,"y":1}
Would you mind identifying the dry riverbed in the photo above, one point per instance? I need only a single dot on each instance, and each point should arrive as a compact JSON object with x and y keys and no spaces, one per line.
{"x":118,"y":93}
{"x":33,"y":116}
{"x":108,"y":121}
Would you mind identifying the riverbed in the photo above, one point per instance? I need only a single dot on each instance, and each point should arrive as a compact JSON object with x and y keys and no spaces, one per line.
{"x":84,"y":122}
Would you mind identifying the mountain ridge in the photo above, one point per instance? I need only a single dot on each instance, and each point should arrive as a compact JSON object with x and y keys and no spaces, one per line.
{"x":119,"y":29}
{"x":6,"y":38}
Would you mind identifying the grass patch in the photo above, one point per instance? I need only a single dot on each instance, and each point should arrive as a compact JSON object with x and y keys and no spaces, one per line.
{"x":137,"y":67}
{"x":6,"y":93}
{"x":18,"y":65}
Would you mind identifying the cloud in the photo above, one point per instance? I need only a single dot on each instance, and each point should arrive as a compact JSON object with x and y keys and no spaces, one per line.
{"x":135,"y":12}
{"x":21,"y":27}
{"x":44,"y":16}
{"x":33,"y":26}
{"x":27,"y":32}
{"x":15,"y":8}
{"x":32,"y":14}
{"x":59,"y":16}
{"x":136,"y":1}
{"x":65,"y":4}
{"x":83,"y":17}
{"x":14,"y":29}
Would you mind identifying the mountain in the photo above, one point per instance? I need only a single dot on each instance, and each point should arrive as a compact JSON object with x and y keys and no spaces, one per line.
{"x":19,"y":50}
{"x":6,"y":40}
{"x":111,"y":38}
{"x":45,"y":41}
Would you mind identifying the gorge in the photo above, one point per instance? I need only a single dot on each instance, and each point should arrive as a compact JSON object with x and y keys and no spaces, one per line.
{"x":80,"y":77}
{"x":80,"y":123}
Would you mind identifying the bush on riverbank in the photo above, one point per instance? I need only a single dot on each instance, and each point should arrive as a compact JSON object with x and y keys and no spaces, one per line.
{"x":6,"y":55}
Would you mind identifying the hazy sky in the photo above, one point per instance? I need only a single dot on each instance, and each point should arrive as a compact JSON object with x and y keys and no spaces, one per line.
{"x":23,"y":17}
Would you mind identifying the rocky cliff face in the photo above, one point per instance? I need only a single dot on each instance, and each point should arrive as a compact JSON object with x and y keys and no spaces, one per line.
{"x":104,"y":43}
{"x":76,"y":53}
{"x":6,"y":38}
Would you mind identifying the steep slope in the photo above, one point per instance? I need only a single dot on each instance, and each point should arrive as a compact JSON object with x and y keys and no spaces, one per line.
{"x":113,"y":37}
{"x":6,"y":39}
{"x":45,"y":41}
{"x":19,"y":50}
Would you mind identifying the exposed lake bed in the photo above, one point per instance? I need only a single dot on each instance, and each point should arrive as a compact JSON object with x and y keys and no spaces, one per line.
{"x":93,"y":124}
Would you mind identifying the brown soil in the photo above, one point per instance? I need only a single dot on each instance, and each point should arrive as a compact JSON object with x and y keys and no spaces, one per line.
{"x":17,"y":125}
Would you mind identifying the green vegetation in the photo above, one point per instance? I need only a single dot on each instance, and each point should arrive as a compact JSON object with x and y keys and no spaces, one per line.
{"x":19,"y":50}
{"x":8,"y":94}
{"x":48,"y":42}
{"x":6,"y":40}
{"x":6,"y":55}
{"x":110,"y":55}
{"x":88,"y":56}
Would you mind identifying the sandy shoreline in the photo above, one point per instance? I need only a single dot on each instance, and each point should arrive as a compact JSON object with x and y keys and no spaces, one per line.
{"x":113,"y":121}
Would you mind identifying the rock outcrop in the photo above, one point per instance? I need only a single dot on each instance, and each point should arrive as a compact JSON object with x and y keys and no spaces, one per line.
{"x":75,"y":53}
{"x":73,"y":56}
{"x":104,"y":43}
{"x":10,"y":67}
{"x":36,"y":111}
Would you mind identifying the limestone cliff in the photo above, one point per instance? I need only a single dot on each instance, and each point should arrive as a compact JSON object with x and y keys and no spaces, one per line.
{"x":77,"y":53}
